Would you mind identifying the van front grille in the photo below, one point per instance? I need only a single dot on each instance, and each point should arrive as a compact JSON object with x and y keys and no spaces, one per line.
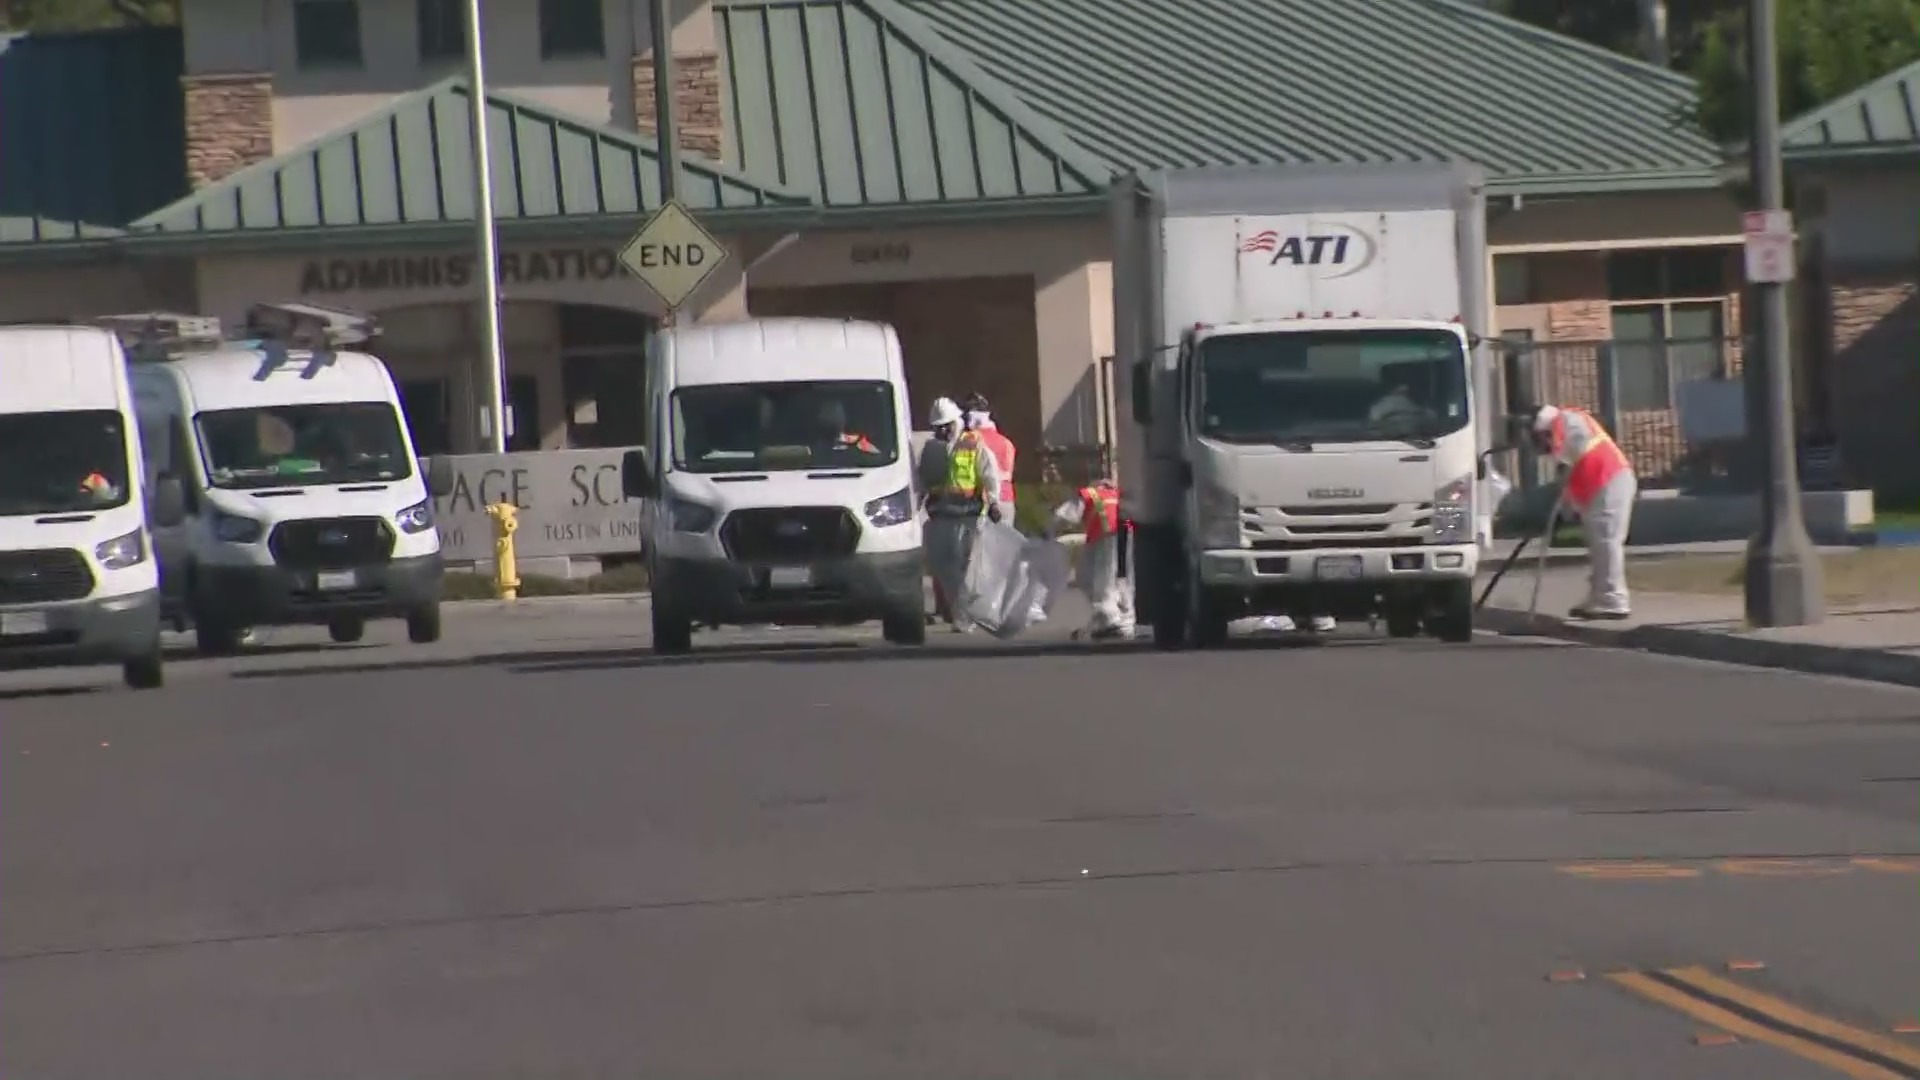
{"x":789,"y":534}
{"x":45,"y":576}
{"x":331,"y":543}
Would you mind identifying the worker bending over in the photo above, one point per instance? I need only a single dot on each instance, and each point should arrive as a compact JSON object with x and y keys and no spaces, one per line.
{"x":1600,"y":487}
{"x":961,"y":486}
{"x":1096,"y":510}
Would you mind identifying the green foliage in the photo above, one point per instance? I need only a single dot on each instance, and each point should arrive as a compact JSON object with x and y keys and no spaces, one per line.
{"x":59,"y":16}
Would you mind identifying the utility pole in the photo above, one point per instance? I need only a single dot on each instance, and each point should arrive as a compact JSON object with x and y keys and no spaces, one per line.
{"x":1654,"y":44}
{"x":665,"y":133}
{"x":1783,"y":573}
{"x":493,"y":413}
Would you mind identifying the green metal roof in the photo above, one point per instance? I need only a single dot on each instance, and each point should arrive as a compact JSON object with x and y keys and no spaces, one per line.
{"x":92,"y":132}
{"x":860,"y":103}
{"x":406,"y":169}
{"x":1152,"y":84}
{"x":1878,"y":120}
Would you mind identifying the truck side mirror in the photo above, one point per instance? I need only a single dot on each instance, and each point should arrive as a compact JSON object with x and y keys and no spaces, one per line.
{"x":439,"y":474}
{"x":636,"y":475}
{"x":1143,"y":392}
{"x":167,"y":503}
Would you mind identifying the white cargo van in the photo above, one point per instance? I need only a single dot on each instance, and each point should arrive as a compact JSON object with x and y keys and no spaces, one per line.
{"x":304,"y":501}
{"x":78,"y":577}
{"x":777,"y":479}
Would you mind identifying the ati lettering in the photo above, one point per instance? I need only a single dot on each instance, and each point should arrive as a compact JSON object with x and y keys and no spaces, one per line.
{"x":1312,"y":250}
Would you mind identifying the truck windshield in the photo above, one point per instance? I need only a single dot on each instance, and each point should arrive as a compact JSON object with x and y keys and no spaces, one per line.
{"x":1332,"y":386}
{"x":282,"y":445}
{"x":62,"y":462}
{"x":730,"y":427}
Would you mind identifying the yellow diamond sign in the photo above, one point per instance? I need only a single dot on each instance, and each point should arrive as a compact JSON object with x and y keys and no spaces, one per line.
{"x":672,"y":254}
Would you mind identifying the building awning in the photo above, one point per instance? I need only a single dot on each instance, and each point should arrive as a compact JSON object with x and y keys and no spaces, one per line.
{"x":1881,"y":120}
{"x":403,"y":175}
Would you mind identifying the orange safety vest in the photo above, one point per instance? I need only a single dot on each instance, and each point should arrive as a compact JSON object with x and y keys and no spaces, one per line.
{"x":1593,"y":463}
{"x":1100,"y":514}
{"x":1003,"y":452}
{"x":858,"y":442}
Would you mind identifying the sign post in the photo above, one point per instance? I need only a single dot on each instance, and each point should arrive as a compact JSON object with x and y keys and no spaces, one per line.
{"x":673,"y":255}
{"x":1769,"y":249}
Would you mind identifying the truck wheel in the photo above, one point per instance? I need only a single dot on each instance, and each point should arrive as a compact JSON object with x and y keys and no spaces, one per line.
{"x":1403,"y":621}
{"x":423,"y":625}
{"x":347,"y":629}
{"x":905,"y":628}
{"x":1206,"y":622}
{"x":672,"y":631}
{"x":1452,"y":617}
{"x":144,"y":672}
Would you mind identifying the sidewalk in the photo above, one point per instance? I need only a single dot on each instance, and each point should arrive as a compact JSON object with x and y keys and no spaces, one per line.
{"x":1880,"y":643}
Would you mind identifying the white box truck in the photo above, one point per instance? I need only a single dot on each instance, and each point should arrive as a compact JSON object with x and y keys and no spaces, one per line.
{"x":1305,"y":428}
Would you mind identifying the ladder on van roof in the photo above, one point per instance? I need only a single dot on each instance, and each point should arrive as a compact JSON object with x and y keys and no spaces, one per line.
{"x":273,"y":329}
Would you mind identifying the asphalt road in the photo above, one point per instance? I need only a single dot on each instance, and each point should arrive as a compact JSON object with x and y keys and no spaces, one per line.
{"x":535,"y":850}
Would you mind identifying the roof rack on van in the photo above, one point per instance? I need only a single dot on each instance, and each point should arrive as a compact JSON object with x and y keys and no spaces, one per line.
{"x":161,"y":335}
{"x":279,"y":328}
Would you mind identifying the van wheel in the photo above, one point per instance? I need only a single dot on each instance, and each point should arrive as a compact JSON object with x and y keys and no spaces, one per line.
{"x":672,"y":631}
{"x":907,"y":628}
{"x":347,"y":630}
{"x":423,"y":625}
{"x":213,"y":637}
{"x":144,"y":672}
{"x":1452,"y":618}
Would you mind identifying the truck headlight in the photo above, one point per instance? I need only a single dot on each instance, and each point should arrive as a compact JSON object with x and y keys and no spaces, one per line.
{"x":1219,"y":513}
{"x":690,"y":517}
{"x":235,"y":529}
{"x":894,"y":509}
{"x":123,"y":551}
{"x":417,"y":518}
{"x":1453,"y":512}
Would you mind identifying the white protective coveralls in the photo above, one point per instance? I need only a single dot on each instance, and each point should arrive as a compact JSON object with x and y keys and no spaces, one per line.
{"x":953,"y":519}
{"x":1600,"y":487}
{"x":1110,"y":592}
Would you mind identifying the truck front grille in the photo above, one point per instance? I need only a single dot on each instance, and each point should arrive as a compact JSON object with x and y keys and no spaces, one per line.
{"x":331,"y":543}
{"x":45,"y":576}
{"x":789,"y":534}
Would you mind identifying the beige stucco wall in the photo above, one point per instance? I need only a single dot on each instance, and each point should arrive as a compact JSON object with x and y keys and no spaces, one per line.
{"x":257,"y":36}
{"x":1611,"y":219}
{"x":66,"y":292}
{"x":1867,"y":218}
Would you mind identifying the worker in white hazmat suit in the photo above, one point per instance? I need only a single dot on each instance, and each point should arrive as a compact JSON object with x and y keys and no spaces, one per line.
{"x":960,"y":486}
{"x":1095,"y":510}
{"x":1600,"y":487}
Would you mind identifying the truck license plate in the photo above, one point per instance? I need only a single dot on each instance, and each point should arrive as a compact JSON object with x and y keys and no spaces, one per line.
{"x":23,"y":623}
{"x":335,"y":580}
{"x":1337,"y":568}
{"x":790,"y":577}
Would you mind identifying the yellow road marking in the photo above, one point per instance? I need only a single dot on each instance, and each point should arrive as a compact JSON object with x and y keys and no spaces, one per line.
{"x":1888,"y":866}
{"x":1629,"y":871}
{"x":1781,"y":868}
{"x":1734,"y":1024}
{"x":1789,"y":1013}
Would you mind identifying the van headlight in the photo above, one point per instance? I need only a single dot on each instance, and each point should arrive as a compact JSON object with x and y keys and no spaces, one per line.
{"x":417,"y":518}
{"x":687,"y":516}
{"x":1453,"y":512}
{"x":1219,"y":513}
{"x":235,"y":529}
{"x":894,"y":509}
{"x":122,"y":551}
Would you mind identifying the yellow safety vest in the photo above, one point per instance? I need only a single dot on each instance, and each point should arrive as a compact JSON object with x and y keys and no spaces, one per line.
{"x":963,"y":467}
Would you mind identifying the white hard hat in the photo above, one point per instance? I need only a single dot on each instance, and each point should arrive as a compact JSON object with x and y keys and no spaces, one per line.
{"x":944,"y":412}
{"x":1544,"y":419}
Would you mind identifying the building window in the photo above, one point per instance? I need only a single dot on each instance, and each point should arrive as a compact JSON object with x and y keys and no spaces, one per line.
{"x":571,"y":29}
{"x":1656,"y":346}
{"x":326,"y":33}
{"x":1512,"y":279}
{"x":443,"y":29}
{"x":1665,"y":274}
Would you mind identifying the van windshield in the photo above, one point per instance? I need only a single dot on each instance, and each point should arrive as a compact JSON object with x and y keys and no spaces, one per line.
{"x":764,"y":427}
{"x":1332,"y":386}
{"x":62,"y":462}
{"x":282,"y":445}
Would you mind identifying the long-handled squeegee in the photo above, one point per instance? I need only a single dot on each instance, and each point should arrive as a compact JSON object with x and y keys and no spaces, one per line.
{"x":1540,"y":569}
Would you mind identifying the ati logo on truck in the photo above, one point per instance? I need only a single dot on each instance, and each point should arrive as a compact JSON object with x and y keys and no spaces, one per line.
{"x":1340,"y":249}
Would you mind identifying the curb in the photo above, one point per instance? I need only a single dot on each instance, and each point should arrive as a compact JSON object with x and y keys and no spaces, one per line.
{"x":1872,"y":665}
{"x":583,"y":599}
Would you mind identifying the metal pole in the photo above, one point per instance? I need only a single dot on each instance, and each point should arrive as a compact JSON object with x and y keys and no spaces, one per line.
{"x":665,"y":133}
{"x":1783,"y":579}
{"x":494,"y":411}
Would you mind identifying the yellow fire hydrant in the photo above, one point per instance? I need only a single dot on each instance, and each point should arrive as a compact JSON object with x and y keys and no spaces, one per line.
{"x":506,"y":574}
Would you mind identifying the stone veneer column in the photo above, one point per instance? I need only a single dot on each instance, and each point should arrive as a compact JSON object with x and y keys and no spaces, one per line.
{"x":696,"y":101}
{"x":229,"y":123}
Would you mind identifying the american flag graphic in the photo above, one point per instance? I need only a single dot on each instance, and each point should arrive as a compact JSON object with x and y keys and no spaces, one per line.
{"x":1261,"y":241}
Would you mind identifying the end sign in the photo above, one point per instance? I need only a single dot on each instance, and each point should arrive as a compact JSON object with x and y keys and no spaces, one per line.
{"x":673,"y":255}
